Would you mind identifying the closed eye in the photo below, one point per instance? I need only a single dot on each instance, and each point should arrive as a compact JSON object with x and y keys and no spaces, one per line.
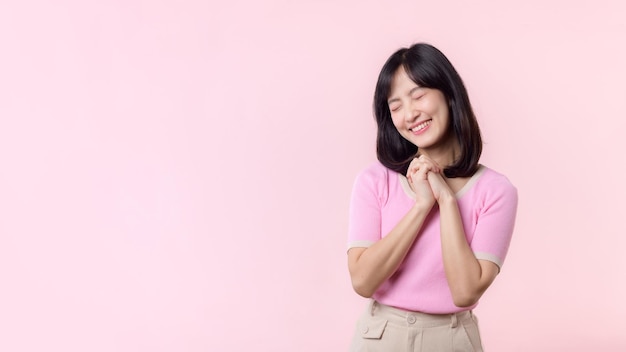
{"x":418,"y":95}
{"x":417,"y":92}
{"x":394,"y":107}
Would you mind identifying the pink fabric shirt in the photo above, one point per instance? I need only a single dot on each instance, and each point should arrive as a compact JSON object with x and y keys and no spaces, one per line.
{"x":381,"y":197}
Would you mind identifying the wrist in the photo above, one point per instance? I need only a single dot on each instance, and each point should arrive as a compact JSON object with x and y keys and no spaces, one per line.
{"x":422,"y":206}
{"x":446,"y":197}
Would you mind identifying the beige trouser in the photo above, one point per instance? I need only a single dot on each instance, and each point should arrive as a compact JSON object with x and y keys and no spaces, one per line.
{"x":387,"y":329}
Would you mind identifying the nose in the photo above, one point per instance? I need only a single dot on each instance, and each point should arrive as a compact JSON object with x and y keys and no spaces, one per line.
{"x":411,"y":113}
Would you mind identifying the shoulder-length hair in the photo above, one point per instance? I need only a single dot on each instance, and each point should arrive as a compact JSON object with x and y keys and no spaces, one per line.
{"x":427,"y":67}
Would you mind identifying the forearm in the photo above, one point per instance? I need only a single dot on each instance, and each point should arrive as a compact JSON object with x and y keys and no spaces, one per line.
{"x":463,"y":271}
{"x":372,"y":266}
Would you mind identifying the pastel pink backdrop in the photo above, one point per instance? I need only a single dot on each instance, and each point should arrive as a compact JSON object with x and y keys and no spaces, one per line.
{"x":175,"y":175}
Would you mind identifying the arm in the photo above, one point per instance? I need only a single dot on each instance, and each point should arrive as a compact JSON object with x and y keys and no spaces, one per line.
{"x":370,"y":267}
{"x":467,"y":276}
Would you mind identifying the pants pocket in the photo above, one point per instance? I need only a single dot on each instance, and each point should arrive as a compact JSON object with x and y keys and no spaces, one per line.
{"x":370,"y":335}
{"x":473,"y":334}
{"x":372,"y":327}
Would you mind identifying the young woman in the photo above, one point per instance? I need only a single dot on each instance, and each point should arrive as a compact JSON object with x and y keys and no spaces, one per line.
{"x":429,"y":226}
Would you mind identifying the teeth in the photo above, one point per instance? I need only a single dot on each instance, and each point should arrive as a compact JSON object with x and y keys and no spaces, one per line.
{"x":421,"y":125}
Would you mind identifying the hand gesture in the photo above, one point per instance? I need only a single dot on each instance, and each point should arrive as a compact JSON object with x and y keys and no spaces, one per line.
{"x":417,"y":175}
{"x":438,"y":185}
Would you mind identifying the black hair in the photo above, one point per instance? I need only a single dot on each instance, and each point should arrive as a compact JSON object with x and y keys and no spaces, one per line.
{"x":427,"y":67}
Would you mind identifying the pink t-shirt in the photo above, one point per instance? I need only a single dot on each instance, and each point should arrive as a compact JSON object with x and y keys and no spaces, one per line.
{"x":381,"y":197}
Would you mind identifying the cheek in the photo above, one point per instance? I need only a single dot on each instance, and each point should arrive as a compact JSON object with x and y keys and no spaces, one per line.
{"x":440,"y":108}
{"x":396,"y":119}
{"x":433,"y":106}
{"x":446,"y":114}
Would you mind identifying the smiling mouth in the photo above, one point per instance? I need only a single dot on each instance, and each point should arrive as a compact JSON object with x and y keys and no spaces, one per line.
{"x":421,"y":126}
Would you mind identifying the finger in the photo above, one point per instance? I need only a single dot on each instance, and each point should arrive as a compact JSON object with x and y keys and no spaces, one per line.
{"x":436,"y":165}
{"x":413,"y":166}
{"x":422,"y":172}
{"x":426,"y":160}
{"x":427,"y":163}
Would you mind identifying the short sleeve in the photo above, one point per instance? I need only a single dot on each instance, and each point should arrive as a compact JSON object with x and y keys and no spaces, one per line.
{"x":496,"y":221}
{"x":364,"y":226}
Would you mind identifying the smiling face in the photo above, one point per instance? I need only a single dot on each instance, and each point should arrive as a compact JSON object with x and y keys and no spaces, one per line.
{"x":419,"y":114}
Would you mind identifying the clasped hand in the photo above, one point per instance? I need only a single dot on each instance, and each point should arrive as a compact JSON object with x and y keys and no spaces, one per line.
{"x":426,"y":179}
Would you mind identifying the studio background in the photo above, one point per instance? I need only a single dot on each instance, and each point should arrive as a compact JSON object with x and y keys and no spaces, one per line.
{"x":175,"y":175}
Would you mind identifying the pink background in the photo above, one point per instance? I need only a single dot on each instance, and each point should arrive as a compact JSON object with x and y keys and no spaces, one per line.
{"x":175,"y":175}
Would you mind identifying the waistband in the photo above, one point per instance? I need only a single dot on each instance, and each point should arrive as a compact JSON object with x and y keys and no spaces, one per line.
{"x":417,"y":319}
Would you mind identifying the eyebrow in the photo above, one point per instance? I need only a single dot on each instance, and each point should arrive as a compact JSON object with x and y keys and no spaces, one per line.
{"x":398,"y":99}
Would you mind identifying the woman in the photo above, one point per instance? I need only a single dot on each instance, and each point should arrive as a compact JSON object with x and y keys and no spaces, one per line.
{"x":429,"y":226}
